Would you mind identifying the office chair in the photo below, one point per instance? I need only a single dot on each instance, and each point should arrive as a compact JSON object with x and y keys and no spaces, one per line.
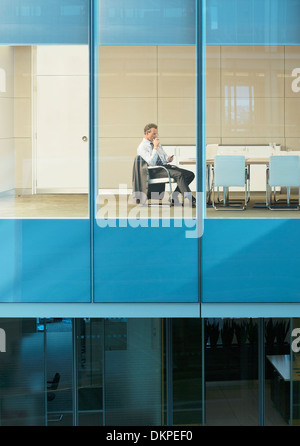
{"x":283,"y":171}
{"x":229,"y":171}
{"x":144,"y":187}
{"x":52,"y":387}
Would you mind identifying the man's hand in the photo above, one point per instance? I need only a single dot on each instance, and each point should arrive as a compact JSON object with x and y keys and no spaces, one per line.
{"x":170,"y":159}
{"x":156,"y":143}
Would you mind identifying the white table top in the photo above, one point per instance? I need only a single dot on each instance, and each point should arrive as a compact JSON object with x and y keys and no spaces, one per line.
{"x":282,"y":364}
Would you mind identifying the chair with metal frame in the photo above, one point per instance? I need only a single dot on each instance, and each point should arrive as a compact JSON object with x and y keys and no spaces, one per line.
{"x":283,"y":171}
{"x":229,"y":171}
{"x":145,"y":187}
{"x":211,"y":152}
{"x":165,"y":180}
{"x":52,"y":387}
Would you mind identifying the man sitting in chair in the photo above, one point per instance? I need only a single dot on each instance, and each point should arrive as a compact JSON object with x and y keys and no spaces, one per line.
{"x":154,"y":155}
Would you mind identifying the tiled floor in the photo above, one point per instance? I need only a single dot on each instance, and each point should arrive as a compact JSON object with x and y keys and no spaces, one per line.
{"x":77,"y":205}
{"x":235,"y":403}
{"x":44,"y":206}
{"x":122,"y":206}
{"x":255,"y":209}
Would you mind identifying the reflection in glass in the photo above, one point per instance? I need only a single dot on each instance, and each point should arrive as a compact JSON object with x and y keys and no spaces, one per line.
{"x":130,"y":372}
{"x":231,"y":372}
{"x":90,"y":377}
{"x":277,"y":372}
{"x":59,"y":368}
{"x":22,"y":397}
{"x":133,"y":372}
{"x":187,"y":372}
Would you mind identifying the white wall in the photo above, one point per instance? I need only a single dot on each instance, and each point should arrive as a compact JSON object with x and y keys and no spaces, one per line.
{"x":6,"y":118}
{"x":23,"y":117}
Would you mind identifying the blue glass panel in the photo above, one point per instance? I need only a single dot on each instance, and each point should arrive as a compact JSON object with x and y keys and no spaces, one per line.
{"x":45,"y":261}
{"x":268,"y":22}
{"x":145,"y":264}
{"x":144,"y":22}
{"x":25,"y":22}
{"x":251,"y":260}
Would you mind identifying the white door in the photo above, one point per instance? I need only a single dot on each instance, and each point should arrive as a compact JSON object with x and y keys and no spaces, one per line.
{"x":62,"y":120}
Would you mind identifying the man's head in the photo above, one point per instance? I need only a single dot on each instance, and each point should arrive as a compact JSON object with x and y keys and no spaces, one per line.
{"x":150,"y":131}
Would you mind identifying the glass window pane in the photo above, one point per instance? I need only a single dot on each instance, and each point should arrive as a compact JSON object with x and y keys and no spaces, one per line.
{"x":144,"y":82}
{"x":141,"y":85}
{"x":231,"y":372}
{"x":44,"y":108}
{"x":22,"y":377}
{"x":187,"y":372}
{"x":144,"y":23}
{"x":36,"y":21}
{"x":246,"y":99}
{"x":90,"y":343}
{"x":59,"y":368}
{"x":133,"y":372}
{"x":44,"y":97}
{"x":252,"y":75}
{"x":44,"y":149}
{"x":277,"y":372}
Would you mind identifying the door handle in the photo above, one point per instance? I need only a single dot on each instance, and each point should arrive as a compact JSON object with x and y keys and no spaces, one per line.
{"x":84,"y":138}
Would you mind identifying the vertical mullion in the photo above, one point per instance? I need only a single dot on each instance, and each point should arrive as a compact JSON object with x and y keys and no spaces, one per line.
{"x":103,"y":375}
{"x":169,"y":371}
{"x":261,"y":371}
{"x":75,"y":370}
{"x":203,"y":369}
{"x":201,"y":158}
{"x":93,"y":18}
{"x":291,"y":373}
{"x":201,"y":103}
{"x":45,"y":370}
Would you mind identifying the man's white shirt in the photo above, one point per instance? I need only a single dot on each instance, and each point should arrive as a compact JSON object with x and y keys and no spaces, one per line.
{"x":146,"y":151}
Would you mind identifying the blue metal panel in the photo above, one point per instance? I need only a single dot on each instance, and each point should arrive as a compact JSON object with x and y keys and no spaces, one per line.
{"x":241,"y":310}
{"x":253,"y":22}
{"x":65,"y":310}
{"x":32,"y":22}
{"x":142,"y":22}
{"x":45,"y":261}
{"x":172,"y":22}
{"x":8,"y":261}
{"x":147,"y":22}
{"x":145,"y":264}
{"x":251,"y":260}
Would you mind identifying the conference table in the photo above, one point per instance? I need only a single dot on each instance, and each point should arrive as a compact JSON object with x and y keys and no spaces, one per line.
{"x":210,"y":163}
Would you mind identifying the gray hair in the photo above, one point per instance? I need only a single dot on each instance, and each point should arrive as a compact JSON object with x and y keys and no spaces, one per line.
{"x":149,"y":127}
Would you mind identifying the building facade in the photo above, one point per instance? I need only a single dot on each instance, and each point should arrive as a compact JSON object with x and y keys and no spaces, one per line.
{"x":117,"y":313}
